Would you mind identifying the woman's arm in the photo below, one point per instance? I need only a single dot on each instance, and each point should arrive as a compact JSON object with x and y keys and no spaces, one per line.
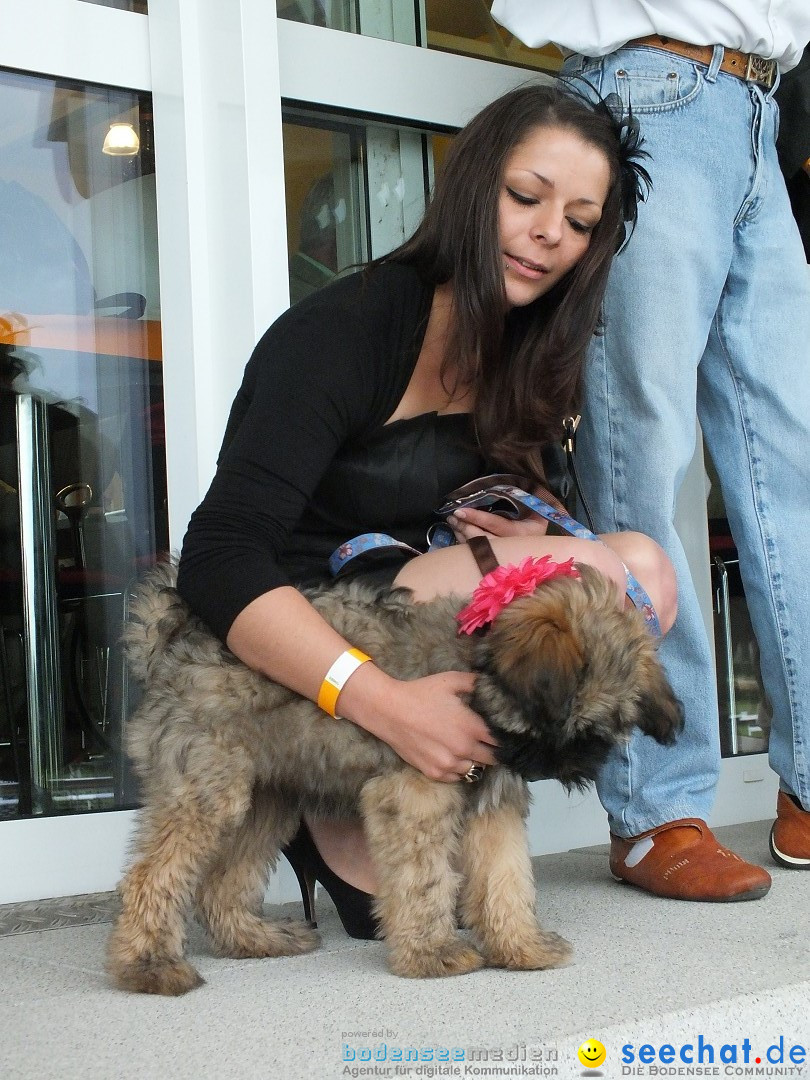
{"x":423,"y":720}
{"x":326,"y":372}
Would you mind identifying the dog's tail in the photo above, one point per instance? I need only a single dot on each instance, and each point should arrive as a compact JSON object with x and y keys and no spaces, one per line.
{"x":158,"y":617}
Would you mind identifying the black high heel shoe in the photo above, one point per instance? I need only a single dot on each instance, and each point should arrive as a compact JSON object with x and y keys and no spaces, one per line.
{"x":354,"y":907}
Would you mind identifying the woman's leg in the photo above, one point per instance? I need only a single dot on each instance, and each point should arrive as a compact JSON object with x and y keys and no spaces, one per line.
{"x":650,"y":565}
{"x":343,"y":848}
{"x":453,"y":570}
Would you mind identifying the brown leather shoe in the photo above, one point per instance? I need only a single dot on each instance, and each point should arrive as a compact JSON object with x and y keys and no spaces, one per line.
{"x":790,"y":835}
{"x":683,"y":861}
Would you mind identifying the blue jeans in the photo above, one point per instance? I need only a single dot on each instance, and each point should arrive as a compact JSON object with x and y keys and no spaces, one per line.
{"x":707,"y":312}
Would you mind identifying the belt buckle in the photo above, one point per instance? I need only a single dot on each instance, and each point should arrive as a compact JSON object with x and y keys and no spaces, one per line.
{"x":760,"y":70}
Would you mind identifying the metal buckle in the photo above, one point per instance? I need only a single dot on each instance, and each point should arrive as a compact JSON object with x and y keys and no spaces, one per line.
{"x":760,"y":70}
{"x":498,"y":502}
{"x":570,"y":425}
{"x":478,"y":494}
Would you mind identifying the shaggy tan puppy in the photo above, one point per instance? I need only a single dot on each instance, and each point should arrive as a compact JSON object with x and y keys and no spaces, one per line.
{"x":230,"y":760}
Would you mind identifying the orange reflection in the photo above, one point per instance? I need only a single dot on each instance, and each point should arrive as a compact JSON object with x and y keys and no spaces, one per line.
{"x":84,"y":333}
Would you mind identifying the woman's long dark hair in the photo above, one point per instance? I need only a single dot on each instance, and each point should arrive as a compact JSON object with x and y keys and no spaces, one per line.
{"x":527,"y":367}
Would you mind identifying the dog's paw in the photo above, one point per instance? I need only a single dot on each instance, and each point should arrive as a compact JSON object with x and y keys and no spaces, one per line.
{"x":454,"y":958}
{"x":264,"y":939}
{"x":534,"y":952}
{"x":167,"y":977}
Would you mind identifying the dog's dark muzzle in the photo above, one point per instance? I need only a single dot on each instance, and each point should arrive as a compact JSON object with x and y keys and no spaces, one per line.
{"x":573,"y":764}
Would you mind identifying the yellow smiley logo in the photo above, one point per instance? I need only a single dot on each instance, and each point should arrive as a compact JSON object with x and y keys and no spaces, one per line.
{"x":592,"y":1054}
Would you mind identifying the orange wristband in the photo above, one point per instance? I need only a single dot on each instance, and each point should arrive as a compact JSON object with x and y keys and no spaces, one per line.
{"x":336,"y":678}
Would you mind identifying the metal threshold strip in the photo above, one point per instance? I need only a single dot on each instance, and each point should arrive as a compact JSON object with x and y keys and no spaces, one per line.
{"x":58,"y":914}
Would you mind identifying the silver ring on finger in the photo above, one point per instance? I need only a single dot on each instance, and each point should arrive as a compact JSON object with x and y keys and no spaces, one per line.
{"x":474,"y":773}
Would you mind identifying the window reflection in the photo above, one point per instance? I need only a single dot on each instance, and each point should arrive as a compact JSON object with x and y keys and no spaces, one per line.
{"x":445,"y":25}
{"x":354,"y":192}
{"x":336,"y":14}
{"x":83,"y":501}
{"x":325,"y":233}
{"x":138,"y":6}
{"x":470,"y":29}
{"x":745,"y":712}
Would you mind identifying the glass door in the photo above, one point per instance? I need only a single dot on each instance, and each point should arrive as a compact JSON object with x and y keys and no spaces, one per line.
{"x":83,"y":497}
{"x":745,"y":712}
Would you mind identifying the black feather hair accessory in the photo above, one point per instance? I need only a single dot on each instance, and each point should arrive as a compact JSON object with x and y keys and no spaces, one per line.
{"x":634,"y":180}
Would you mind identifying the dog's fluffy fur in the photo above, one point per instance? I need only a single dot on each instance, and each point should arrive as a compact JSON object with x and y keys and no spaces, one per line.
{"x":229,"y":760}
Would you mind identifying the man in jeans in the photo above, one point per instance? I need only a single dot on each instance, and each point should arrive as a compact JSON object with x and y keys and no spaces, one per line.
{"x":707,"y":313}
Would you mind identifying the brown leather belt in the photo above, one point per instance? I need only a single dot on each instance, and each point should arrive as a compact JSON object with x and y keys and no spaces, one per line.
{"x":744,"y":65}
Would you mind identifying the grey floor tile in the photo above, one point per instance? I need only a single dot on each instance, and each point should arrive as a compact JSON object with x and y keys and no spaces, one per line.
{"x":643,"y":969}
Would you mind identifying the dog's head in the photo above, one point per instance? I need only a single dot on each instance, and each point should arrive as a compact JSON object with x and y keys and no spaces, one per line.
{"x":564,"y":676}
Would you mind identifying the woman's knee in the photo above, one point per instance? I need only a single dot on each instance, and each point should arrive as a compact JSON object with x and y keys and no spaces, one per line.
{"x":599,"y":556}
{"x":454,"y":569}
{"x":650,"y":564}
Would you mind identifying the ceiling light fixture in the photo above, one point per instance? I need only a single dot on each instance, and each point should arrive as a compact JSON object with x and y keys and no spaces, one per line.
{"x":121,"y":141}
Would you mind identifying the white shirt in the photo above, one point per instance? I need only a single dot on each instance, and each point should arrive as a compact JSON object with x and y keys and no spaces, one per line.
{"x":775,"y":29}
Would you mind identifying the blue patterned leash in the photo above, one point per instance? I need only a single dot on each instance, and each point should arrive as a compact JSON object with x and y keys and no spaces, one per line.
{"x":442,"y":536}
{"x":439,"y":536}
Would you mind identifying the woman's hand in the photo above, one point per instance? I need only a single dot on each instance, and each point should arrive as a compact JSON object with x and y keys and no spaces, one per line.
{"x":425,"y":720}
{"x":468,"y":522}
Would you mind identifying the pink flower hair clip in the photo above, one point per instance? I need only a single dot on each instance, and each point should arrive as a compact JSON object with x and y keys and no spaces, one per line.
{"x":504,"y":584}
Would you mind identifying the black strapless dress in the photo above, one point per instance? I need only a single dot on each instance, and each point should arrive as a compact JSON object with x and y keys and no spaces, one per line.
{"x":390,"y":481}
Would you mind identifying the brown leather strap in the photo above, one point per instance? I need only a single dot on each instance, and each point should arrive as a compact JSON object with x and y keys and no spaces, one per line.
{"x":482,"y":552}
{"x":746,"y":66}
{"x":543,"y":493}
{"x":480,"y":547}
{"x":548,"y":496}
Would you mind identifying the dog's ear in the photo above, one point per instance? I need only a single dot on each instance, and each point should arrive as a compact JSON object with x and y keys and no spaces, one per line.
{"x":660,"y":714}
{"x":535,"y":651}
{"x":652,"y":705}
{"x":641,"y":688}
